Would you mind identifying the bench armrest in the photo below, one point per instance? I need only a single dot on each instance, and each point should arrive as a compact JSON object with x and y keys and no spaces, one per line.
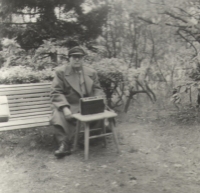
{"x":4,"y":109}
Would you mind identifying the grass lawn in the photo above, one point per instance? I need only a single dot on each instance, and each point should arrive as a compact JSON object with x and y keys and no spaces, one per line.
{"x":156,"y":156}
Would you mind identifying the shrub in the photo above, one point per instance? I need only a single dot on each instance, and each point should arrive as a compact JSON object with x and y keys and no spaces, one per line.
{"x":111,"y":75}
{"x":118,"y":80}
{"x":21,"y":75}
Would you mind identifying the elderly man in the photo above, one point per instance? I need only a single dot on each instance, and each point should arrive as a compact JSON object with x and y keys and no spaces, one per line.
{"x":71,"y":82}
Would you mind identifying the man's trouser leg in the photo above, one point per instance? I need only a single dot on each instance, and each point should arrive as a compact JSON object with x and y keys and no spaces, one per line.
{"x":60,"y":134}
{"x":65,"y":135}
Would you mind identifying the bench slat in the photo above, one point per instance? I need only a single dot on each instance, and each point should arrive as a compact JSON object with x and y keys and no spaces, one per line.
{"x":24,"y":88}
{"x":24,"y":122}
{"x":29,"y":103}
{"x":30,"y":111}
{"x":13,"y":101}
{"x":12,"y":109}
{"x":30,"y":114}
{"x":28,"y":95}
{"x":22,"y":92}
{"x":30,"y":117}
{"x":24,"y":85}
{"x":29,"y":125}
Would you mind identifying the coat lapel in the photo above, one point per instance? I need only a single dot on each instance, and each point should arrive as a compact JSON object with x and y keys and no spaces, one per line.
{"x":73,"y":79}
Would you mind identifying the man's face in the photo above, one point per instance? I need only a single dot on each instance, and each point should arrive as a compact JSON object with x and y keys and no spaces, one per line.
{"x":76,"y":61}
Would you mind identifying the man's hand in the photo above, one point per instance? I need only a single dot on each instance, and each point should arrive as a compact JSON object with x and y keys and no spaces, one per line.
{"x":67,"y":113}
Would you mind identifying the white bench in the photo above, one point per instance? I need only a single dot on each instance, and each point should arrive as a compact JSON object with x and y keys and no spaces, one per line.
{"x":29,"y":105}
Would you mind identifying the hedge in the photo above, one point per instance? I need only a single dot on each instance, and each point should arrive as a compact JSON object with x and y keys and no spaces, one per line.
{"x":21,"y":75}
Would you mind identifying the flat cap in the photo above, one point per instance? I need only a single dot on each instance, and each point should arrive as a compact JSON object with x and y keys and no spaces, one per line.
{"x":76,"y":51}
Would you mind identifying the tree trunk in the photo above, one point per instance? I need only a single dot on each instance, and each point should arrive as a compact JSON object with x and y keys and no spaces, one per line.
{"x":190,"y":95}
{"x":128,"y":102}
{"x":54,"y":57}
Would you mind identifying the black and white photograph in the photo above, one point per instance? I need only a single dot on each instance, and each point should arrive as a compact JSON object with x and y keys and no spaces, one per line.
{"x":99,"y":96}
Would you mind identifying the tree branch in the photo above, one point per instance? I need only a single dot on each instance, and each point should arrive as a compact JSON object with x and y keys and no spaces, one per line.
{"x":149,"y":89}
{"x":22,"y":13}
{"x":137,"y":92}
{"x":173,"y":25}
{"x":175,"y":16}
{"x":196,"y":52}
{"x":25,"y":23}
{"x":156,"y":3}
{"x":153,"y":57}
{"x":147,"y":20}
{"x":144,"y":90}
{"x":182,"y":10}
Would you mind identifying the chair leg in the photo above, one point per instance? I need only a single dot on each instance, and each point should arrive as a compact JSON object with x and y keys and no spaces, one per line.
{"x":87,"y":133}
{"x":115,"y":138}
{"x":76,"y":135}
{"x":104,"y":132}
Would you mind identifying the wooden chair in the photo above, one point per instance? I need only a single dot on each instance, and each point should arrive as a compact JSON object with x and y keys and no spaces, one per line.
{"x":85,"y":120}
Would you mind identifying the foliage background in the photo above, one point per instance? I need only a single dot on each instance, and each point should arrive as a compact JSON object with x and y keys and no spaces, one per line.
{"x":141,"y":50}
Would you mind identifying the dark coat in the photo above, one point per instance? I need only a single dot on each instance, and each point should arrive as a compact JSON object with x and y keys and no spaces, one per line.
{"x":65,"y":91}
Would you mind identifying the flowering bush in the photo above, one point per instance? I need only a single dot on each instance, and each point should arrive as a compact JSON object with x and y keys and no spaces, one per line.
{"x":21,"y":74}
{"x":43,"y":57}
{"x":116,"y":78}
{"x":12,"y":54}
{"x":110,"y":72}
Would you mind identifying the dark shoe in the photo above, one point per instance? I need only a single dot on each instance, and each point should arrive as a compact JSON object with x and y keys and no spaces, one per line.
{"x":63,"y":150}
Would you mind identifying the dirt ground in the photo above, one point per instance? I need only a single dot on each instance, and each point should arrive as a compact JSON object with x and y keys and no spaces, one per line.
{"x":156,"y":156}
